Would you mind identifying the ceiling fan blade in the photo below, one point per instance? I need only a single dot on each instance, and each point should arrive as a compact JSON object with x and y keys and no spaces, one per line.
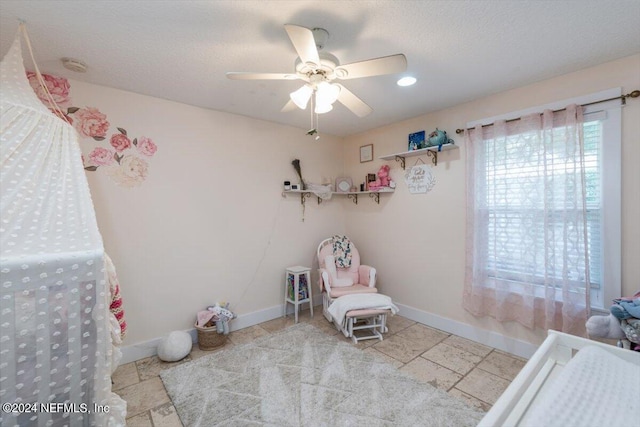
{"x":289,"y":106}
{"x":304,"y":43}
{"x":372,"y":67}
{"x":352,"y":102}
{"x":260,"y":76}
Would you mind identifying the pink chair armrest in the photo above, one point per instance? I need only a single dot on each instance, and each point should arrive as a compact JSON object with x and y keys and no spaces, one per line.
{"x":367,"y":275}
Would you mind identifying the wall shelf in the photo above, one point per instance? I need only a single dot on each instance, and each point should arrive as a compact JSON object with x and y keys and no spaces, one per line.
{"x":429,"y":151}
{"x":353,"y":195}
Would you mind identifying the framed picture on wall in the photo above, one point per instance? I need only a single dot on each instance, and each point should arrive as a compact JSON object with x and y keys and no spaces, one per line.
{"x":343,"y":185}
{"x":366,"y":153}
{"x":416,"y":141}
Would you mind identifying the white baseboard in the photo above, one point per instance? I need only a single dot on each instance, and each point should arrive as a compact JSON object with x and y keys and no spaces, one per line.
{"x":464,"y":330}
{"x":133,"y":352}
{"x":138,"y":351}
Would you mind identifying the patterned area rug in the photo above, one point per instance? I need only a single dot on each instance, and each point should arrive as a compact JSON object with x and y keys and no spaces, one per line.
{"x":303,"y":377}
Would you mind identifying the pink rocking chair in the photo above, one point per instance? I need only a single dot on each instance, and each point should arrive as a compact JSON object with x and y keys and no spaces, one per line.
{"x":336,"y":282}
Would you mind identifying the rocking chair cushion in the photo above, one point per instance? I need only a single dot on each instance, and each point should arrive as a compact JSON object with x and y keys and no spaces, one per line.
{"x":334,"y":280}
{"x":342,"y":273}
{"x":346,"y":303}
{"x":338,"y":281}
{"x":355,"y":289}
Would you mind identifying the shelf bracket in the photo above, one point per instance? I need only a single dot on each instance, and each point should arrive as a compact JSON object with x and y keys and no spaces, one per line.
{"x":401,"y":160}
{"x":319,"y":199}
{"x":304,"y":196}
{"x":375,"y":196}
{"x":434,"y":156}
{"x":353,"y":197}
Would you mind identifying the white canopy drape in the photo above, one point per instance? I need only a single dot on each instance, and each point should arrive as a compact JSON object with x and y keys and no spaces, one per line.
{"x":54,"y":331}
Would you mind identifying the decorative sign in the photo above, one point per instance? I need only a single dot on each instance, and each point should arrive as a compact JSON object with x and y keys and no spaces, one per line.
{"x":419,"y":179}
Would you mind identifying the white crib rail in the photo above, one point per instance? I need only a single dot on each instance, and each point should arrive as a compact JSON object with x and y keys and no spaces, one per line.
{"x":556,"y":350}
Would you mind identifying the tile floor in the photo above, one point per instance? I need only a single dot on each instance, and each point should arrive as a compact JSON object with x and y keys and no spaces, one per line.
{"x":473,"y":372}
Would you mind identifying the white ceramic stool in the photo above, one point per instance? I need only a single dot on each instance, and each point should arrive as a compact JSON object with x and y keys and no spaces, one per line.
{"x":297,"y":288}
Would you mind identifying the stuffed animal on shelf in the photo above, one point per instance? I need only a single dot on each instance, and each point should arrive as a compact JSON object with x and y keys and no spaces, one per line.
{"x":383,"y":179}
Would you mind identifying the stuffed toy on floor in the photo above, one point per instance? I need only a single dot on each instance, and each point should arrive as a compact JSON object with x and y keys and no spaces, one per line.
{"x":622,"y":323}
{"x":605,"y":327}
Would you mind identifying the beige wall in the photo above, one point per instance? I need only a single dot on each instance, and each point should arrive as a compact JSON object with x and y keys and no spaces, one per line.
{"x":417,"y":242}
{"x":210,"y":222}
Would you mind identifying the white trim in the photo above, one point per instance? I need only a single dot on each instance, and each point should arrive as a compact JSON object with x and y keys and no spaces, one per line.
{"x":520,"y":348}
{"x":464,"y":330}
{"x":133,"y":352}
{"x":141,"y":350}
{"x":611,"y":210}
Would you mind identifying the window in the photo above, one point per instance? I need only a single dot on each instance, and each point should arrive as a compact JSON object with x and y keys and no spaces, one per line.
{"x":521,"y":231}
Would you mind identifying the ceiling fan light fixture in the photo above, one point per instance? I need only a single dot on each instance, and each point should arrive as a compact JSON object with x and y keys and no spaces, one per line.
{"x":406,"y":81}
{"x":319,"y":69}
{"x":323,"y":108}
{"x":301,"y":96}
{"x":327,"y":93}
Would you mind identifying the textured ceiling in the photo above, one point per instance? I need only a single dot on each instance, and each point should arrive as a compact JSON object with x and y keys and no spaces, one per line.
{"x":458,"y":50}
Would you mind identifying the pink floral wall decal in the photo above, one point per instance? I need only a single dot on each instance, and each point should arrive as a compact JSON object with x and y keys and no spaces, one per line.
{"x":130,"y":171}
{"x":57,"y":86}
{"x":119,"y":141}
{"x":146,"y":146}
{"x":101,"y":156}
{"x":90,"y":122}
{"x":123,"y":160}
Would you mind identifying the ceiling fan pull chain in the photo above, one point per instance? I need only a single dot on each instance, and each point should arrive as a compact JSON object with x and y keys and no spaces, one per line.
{"x":311,"y":110}
{"x":314,"y":129}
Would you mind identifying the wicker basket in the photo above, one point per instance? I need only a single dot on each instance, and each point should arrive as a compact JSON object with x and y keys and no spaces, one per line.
{"x":209,"y":338}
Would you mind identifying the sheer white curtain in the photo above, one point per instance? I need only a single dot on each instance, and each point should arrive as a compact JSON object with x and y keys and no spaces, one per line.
{"x":527,"y":244}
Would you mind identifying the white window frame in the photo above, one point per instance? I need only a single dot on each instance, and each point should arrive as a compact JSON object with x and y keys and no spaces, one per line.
{"x":611,"y":240}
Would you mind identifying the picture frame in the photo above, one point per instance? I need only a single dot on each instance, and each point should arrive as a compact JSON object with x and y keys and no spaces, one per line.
{"x":366,"y":153}
{"x":371,"y":177}
{"x":343,"y":185}
{"x":416,"y":141}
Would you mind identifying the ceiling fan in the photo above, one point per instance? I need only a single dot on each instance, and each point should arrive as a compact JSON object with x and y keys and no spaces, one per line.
{"x":320,"y":69}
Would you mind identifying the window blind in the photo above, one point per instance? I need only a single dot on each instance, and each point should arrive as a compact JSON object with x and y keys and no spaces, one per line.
{"x":516,"y":193}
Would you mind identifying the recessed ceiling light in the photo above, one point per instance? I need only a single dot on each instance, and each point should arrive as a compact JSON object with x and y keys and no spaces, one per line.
{"x":406,"y":81}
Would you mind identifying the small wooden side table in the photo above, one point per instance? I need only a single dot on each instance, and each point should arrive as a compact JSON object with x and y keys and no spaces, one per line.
{"x":297,"y":288}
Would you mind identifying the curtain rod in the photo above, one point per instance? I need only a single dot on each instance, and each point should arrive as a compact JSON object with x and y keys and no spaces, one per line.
{"x":634,"y":94}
